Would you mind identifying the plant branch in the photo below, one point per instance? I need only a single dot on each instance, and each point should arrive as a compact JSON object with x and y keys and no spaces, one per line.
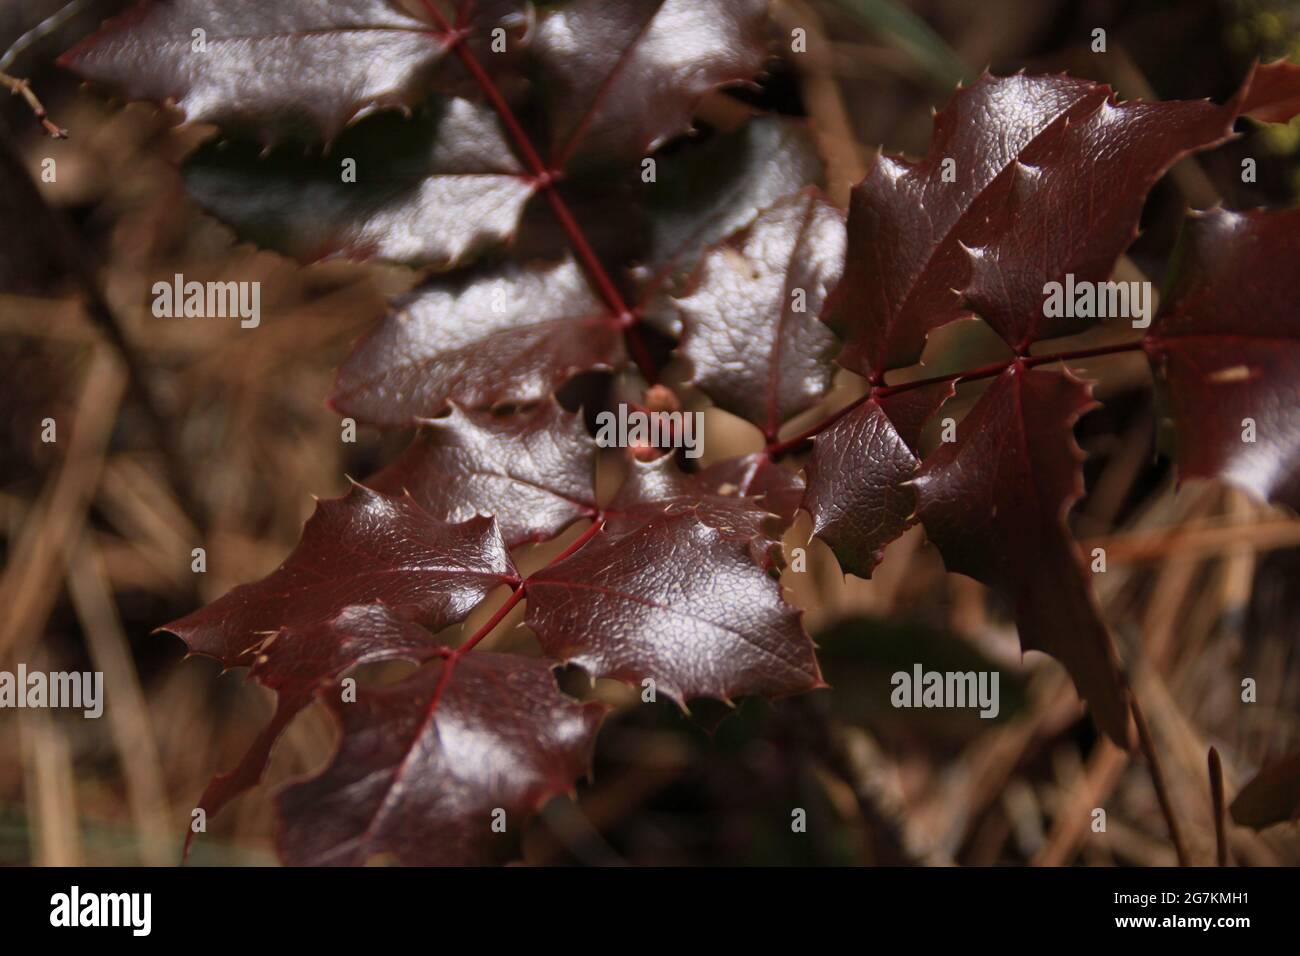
{"x":518,"y":594}
{"x":43,"y":29}
{"x":515,"y":597}
{"x":547,"y":180}
{"x":23,"y":88}
{"x":1158,"y":781}
{"x":1216,"y":799}
{"x":779,"y":449}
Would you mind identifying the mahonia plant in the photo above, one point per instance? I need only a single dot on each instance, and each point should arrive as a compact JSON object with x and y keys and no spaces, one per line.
{"x":513,"y":161}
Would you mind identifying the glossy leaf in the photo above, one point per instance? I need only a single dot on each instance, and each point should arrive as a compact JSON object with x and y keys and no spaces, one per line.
{"x":1226,"y":347}
{"x":423,"y":765}
{"x":673,"y":589}
{"x":623,"y":76}
{"x":1027,"y":179}
{"x":427,"y":191}
{"x":297,"y":661}
{"x":1078,"y":225}
{"x":513,"y":334}
{"x":364,"y":548}
{"x":994,"y":502}
{"x":859,"y":476}
{"x":706,"y":194}
{"x":1069,"y":206}
{"x":1272,"y":92}
{"x":776,"y":489}
{"x":265,"y":65}
{"x":532,"y":471}
{"x":905,"y":264}
{"x":753,"y":332}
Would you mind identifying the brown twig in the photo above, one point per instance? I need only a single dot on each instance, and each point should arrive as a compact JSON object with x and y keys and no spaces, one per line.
{"x":1105,"y":766}
{"x":20,"y":87}
{"x":1198,"y":539}
{"x":1158,"y":781}
{"x":129,"y":720}
{"x":1220,"y":811}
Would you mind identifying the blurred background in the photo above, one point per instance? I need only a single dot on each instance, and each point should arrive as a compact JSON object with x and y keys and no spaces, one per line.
{"x":172,"y":437}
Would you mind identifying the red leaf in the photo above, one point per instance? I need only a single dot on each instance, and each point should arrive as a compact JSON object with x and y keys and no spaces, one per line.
{"x":532,"y":471}
{"x":1272,"y":92}
{"x":1069,"y":205}
{"x":623,"y":76}
{"x":708,"y":193}
{"x":295,"y":662}
{"x":423,"y":764}
{"x":673,"y":588}
{"x":1047,"y":176}
{"x":265,"y":64}
{"x":994,"y":502}
{"x":777,"y":489}
{"x":752,"y":329}
{"x":859,"y":476}
{"x":904,"y":258}
{"x":1042,"y":220}
{"x":1227,"y":348}
{"x":511,"y":335}
{"x":364,"y":548}
{"x":1272,"y":796}
{"x":428,"y":191}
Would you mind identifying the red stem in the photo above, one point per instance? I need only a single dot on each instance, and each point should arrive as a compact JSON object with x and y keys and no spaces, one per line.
{"x":578,"y":542}
{"x":515,"y":597}
{"x":546,"y":179}
{"x":778,"y":449}
{"x":518,"y":594}
{"x":450,"y":658}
